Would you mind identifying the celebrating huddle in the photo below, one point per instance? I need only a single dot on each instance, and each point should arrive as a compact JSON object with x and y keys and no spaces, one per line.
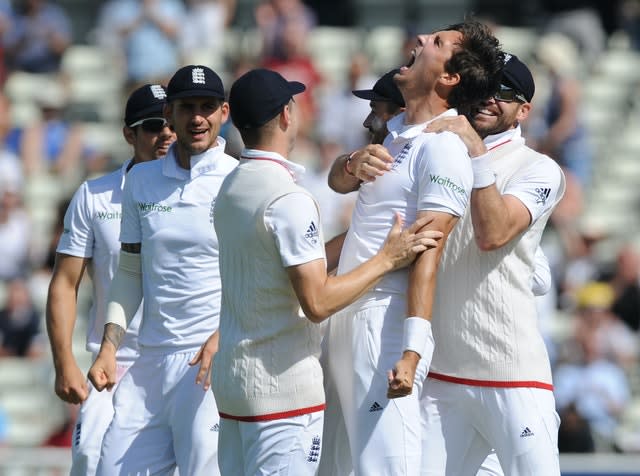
{"x":406,"y":346}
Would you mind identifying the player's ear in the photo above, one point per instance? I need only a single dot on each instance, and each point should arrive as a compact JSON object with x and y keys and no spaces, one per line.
{"x":523,"y":111}
{"x":129,"y":135}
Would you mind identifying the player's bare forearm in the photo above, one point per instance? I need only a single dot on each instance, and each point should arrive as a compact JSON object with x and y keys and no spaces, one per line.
{"x":332,"y":250}
{"x":423,"y":272}
{"x":496,"y":218}
{"x":70,"y":383}
{"x":112,"y":337}
{"x":339,"y":180}
{"x":321,"y":295}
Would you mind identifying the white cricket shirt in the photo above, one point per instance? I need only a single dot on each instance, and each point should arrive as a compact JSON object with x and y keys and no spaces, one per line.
{"x":91,"y":230}
{"x":169,"y":210}
{"x":430,"y":172}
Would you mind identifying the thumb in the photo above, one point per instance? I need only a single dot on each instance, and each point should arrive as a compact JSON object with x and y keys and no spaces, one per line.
{"x":398,"y":221}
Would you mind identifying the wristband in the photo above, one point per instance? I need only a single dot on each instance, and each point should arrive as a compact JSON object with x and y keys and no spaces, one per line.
{"x":483,"y":174}
{"x":417,"y":335}
{"x":347,"y":163}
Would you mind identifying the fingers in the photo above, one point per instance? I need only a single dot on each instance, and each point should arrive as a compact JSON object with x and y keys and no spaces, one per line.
{"x":398,"y":387}
{"x":371,"y":162}
{"x":196,"y":358}
{"x":420,"y":223}
{"x":204,"y":376}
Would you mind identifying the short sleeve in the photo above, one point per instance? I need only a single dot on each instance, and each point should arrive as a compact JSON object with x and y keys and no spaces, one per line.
{"x":130,"y":226}
{"x":77,"y":234}
{"x":294,"y":221}
{"x":538,"y":187}
{"x":444,"y":175}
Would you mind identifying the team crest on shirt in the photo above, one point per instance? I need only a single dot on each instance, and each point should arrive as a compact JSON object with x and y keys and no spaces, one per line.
{"x":313,"y":234}
{"x":404,"y":153}
{"x":314,"y":451}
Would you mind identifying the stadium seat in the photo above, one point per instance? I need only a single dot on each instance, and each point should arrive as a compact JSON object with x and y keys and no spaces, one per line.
{"x":384,"y":47}
{"x":331,"y":49}
{"x":517,"y":40}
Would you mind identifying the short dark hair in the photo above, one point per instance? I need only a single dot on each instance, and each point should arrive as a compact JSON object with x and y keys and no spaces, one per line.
{"x":479,"y":62}
{"x":251,"y":137}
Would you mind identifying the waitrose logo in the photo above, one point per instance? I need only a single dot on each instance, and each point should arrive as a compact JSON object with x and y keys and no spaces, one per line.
{"x":153,"y":207}
{"x":446,"y":182}
{"x":108,"y":215}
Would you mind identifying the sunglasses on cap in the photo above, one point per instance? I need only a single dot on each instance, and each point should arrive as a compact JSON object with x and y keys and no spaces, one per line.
{"x":507,"y":94}
{"x":152,"y":124}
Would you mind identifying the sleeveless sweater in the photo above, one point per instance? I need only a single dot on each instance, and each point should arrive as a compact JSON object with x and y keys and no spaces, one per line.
{"x":267,"y":364}
{"x":484,"y":318}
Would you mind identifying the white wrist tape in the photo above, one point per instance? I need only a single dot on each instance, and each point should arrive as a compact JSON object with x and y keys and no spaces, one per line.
{"x":125,"y":292}
{"x":417,"y":336}
{"x":483,"y":174}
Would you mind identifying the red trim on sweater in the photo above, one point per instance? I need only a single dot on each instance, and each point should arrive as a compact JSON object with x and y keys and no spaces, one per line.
{"x":491,"y":383}
{"x":274,"y":416}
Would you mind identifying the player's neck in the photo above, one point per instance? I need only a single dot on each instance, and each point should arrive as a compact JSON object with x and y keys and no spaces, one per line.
{"x":423,"y":109}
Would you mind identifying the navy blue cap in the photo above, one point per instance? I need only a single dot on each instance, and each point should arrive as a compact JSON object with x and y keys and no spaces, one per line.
{"x":195,"y":81}
{"x":516,"y":75}
{"x":385,"y":89}
{"x":146,"y":101}
{"x":258,"y":96}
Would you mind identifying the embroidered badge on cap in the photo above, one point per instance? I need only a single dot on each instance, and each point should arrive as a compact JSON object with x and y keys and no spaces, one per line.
{"x":197,"y":75}
{"x":157,"y":91}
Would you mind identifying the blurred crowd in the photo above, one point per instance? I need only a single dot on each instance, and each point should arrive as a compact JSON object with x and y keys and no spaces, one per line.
{"x":591,"y":318}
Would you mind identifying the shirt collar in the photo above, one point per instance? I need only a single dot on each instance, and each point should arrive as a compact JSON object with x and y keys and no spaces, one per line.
{"x":123,"y":172}
{"x":400,"y":131}
{"x":200,"y":163}
{"x":494,"y":140}
{"x":297,"y":171}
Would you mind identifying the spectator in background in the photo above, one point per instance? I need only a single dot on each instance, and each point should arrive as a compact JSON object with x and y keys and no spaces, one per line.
{"x":6,"y":19}
{"x":295,"y":64}
{"x":274,"y":16}
{"x":593,"y":387}
{"x":335,"y":208}
{"x":626,"y":284}
{"x":19,"y":323}
{"x":53,"y":144}
{"x":341,"y":113}
{"x":594,"y":318}
{"x":145,"y":33}
{"x":204,"y":26}
{"x":38,"y":36}
{"x":560,"y":133}
{"x":629,"y":21}
{"x":581,"y":22}
{"x":15,"y":225}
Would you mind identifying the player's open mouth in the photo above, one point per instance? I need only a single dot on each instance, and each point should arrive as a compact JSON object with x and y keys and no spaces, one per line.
{"x":411,"y":60}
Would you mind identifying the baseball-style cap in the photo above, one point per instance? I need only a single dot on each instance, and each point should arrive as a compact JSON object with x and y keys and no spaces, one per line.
{"x":146,"y":101}
{"x":195,"y":81}
{"x":517,"y":75}
{"x":385,"y":89}
{"x":258,"y":96}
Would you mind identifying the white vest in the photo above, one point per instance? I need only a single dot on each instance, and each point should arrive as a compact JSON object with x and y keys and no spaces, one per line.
{"x":267,"y":363}
{"x":484,"y":318}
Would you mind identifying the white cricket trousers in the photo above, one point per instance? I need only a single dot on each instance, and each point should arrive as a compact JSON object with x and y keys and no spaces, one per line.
{"x":281,"y":447}
{"x":93,"y":419}
{"x":162,"y":419}
{"x":462,"y":423}
{"x":384,"y":434}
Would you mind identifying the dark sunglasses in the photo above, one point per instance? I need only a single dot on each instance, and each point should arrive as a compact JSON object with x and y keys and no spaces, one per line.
{"x":507,"y":94}
{"x":152,"y":125}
